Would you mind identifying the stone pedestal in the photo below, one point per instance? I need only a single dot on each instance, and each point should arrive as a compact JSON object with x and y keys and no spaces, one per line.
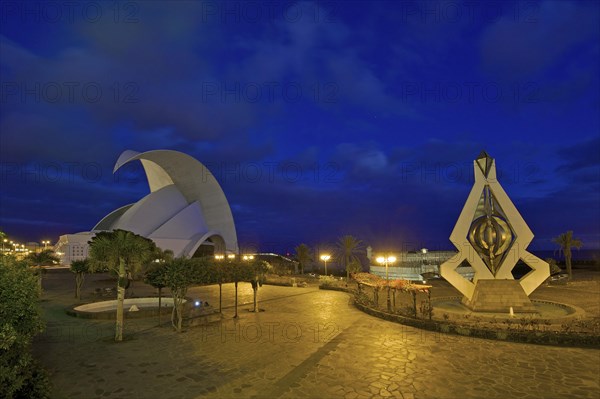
{"x":498,"y":296}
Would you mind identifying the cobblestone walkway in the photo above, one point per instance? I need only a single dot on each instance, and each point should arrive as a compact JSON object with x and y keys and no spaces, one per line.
{"x":307,"y":343}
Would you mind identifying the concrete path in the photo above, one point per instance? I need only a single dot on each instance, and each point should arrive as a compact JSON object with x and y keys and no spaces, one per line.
{"x":307,"y":343}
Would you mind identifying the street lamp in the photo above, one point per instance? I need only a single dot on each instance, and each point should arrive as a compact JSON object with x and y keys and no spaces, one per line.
{"x":219,"y":257}
{"x":231,"y":256}
{"x":325,"y":258}
{"x":4,"y":242}
{"x":248,"y":257}
{"x":46,"y":243}
{"x":386,"y":261}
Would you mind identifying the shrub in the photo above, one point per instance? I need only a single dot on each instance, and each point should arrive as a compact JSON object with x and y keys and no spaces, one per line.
{"x":20,"y":321}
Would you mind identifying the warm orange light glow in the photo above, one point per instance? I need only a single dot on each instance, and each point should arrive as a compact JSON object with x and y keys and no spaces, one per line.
{"x":389,"y":259}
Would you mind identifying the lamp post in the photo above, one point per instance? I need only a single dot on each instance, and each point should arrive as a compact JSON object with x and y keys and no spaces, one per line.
{"x":46,"y":243}
{"x":4,"y":242}
{"x":386,"y":261}
{"x":325,"y":258}
{"x":248,"y":257}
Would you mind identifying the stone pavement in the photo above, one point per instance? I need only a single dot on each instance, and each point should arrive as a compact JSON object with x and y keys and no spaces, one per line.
{"x":307,"y":343}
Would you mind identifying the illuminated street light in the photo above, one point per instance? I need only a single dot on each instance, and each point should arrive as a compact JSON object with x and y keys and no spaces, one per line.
{"x":386,"y":262}
{"x":219,"y":257}
{"x":46,"y":243}
{"x":231,"y":256}
{"x":325,"y":258}
{"x":248,"y":257}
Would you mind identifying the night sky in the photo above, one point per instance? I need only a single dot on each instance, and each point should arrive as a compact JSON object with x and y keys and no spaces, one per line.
{"x":318,"y":119}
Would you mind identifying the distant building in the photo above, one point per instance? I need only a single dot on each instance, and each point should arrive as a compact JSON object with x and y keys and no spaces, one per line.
{"x":416,"y":266}
{"x":72,"y":247}
{"x":186,"y":210}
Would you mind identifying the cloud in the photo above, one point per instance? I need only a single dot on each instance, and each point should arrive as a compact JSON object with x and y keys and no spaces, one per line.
{"x":521,"y":49}
{"x":580,"y":155}
{"x":362,"y":161}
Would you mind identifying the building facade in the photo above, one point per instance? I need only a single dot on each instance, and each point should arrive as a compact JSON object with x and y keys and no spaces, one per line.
{"x":186,"y":210}
{"x":416,"y":265}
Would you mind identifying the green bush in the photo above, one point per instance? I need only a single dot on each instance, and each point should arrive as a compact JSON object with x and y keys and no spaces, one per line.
{"x":20,"y":321}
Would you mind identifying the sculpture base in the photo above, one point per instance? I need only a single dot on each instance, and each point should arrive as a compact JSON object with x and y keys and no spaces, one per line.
{"x":499,"y":296}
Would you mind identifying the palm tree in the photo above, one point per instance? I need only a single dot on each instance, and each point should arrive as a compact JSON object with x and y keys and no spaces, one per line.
{"x":121,"y":252}
{"x":41,"y":258}
{"x":303,"y":255}
{"x":565,"y":242}
{"x":347,"y":248}
{"x":80,"y":268}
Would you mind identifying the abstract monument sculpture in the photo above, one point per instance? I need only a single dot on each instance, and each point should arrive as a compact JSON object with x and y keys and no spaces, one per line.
{"x":492,"y":237}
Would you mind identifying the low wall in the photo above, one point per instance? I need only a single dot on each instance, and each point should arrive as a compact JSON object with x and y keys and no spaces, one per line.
{"x":522,"y":336}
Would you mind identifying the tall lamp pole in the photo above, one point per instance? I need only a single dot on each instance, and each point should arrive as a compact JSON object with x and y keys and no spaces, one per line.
{"x":386,"y":261}
{"x":325,"y":258}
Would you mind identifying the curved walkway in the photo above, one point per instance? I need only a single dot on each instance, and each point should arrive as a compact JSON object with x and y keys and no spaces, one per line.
{"x":307,"y":343}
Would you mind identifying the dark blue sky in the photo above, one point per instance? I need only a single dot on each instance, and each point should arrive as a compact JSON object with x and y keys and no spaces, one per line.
{"x":318,"y":118}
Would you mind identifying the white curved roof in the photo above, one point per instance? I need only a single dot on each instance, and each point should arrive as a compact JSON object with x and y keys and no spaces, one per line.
{"x":185,"y":207}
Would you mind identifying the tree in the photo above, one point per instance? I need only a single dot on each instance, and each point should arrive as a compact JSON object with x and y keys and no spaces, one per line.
{"x":554,"y":268}
{"x":80,"y":268}
{"x":239,"y":271}
{"x":39,"y":259}
{"x":179,"y":275}
{"x":347,"y":248}
{"x":154,"y":274}
{"x":20,"y":321}
{"x":303,"y":256}
{"x":565,"y":242}
{"x":2,"y":238}
{"x":219,"y":274}
{"x":121,"y":252}
{"x":259,"y":270}
{"x":354,"y":266}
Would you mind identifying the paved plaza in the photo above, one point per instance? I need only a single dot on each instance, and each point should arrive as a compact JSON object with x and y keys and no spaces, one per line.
{"x":307,"y":343}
